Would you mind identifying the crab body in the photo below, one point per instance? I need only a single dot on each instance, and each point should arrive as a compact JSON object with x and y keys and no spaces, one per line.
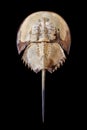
{"x":44,"y":36}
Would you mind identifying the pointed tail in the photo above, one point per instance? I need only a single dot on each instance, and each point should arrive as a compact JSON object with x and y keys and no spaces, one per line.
{"x":43,"y":94}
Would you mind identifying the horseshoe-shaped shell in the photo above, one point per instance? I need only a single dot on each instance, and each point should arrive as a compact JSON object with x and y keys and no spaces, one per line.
{"x":44,"y":36}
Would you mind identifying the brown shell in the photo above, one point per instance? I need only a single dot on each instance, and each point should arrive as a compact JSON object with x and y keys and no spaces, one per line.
{"x":44,"y":35}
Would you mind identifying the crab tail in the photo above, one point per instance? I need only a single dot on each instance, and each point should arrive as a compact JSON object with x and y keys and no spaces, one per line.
{"x":43,"y":94}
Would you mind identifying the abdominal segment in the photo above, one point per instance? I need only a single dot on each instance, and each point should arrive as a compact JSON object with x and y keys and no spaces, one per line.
{"x":44,"y":55}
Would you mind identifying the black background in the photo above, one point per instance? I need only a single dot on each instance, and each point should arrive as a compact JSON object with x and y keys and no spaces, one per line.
{"x":65,"y":88}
